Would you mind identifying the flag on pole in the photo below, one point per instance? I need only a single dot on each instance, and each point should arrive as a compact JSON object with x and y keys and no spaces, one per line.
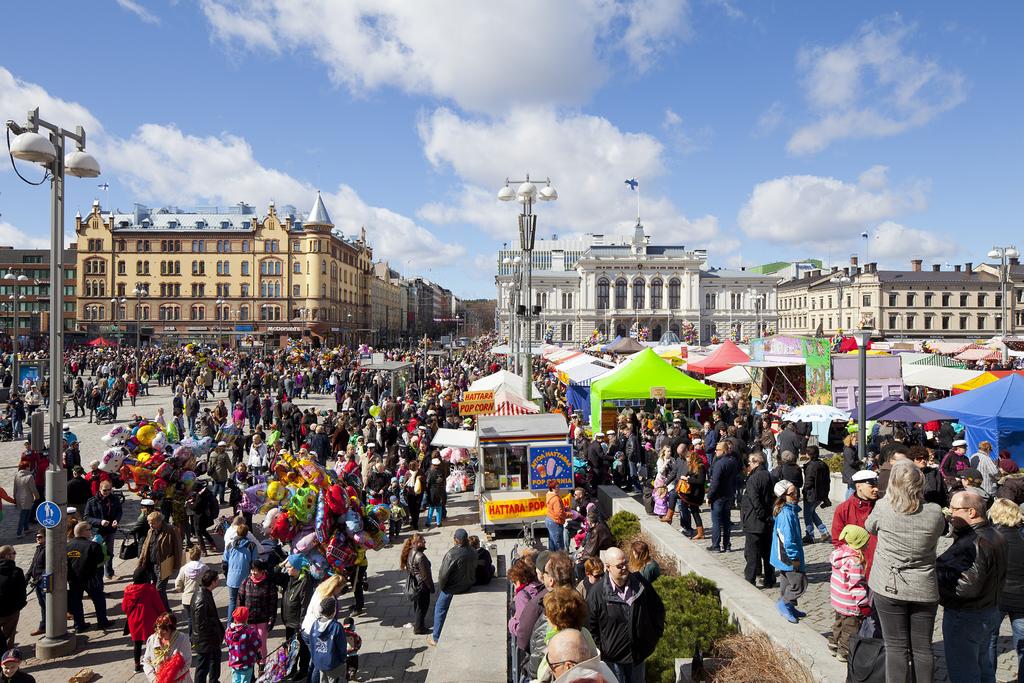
{"x":632,"y":182}
{"x":104,"y":186}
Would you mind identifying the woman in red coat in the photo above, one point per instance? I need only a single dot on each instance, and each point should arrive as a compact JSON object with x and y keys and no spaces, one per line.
{"x":141,"y":605}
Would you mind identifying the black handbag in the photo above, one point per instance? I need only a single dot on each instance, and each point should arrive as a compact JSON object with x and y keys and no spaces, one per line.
{"x":866,"y":661}
{"x":129,"y":548}
{"x":412,"y":587}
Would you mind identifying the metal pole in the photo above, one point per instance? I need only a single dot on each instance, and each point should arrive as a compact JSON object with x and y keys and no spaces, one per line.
{"x":862,"y":396}
{"x":14,"y":334}
{"x":138,"y":334}
{"x":57,"y":642}
{"x":1003,"y":276}
{"x":528,"y":373}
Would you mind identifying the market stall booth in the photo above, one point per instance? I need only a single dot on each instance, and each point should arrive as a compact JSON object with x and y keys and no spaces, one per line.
{"x":983,"y":378}
{"x":519,"y":455}
{"x":994,"y":413}
{"x":779,"y":354}
{"x":726,"y":356}
{"x":645,"y":376}
{"x":399,"y":374}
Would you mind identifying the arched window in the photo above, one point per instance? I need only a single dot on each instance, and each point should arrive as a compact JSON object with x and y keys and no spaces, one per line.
{"x":198,"y":312}
{"x":673,"y":293}
{"x":602,"y":295}
{"x":297,"y":268}
{"x":270,"y":267}
{"x":620,"y":293}
{"x":323,"y":266}
{"x":243,"y":312}
{"x":245,"y":268}
{"x":638,"y":293}
{"x":657,"y":289}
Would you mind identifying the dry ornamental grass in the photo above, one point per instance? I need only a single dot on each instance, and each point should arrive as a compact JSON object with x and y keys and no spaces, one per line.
{"x":754,"y":658}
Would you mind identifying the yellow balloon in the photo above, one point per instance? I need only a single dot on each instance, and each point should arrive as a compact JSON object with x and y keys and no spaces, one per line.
{"x":277,"y":491}
{"x":142,"y":457}
{"x":145,"y":435}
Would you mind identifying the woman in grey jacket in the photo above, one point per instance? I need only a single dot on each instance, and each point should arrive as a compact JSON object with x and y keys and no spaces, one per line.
{"x":902,"y":579}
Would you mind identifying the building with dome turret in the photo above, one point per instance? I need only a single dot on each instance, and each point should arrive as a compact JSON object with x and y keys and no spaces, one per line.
{"x":223,"y":274}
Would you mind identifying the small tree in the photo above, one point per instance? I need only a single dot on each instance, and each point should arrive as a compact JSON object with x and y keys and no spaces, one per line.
{"x":693,"y":613}
{"x":625,"y":526}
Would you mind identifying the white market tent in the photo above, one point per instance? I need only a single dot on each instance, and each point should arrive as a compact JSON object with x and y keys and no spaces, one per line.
{"x":734,"y":375}
{"x":503,"y":379}
{"x":504,"y":350}
{"x":936,"y":377}
{"x":456,"y":438}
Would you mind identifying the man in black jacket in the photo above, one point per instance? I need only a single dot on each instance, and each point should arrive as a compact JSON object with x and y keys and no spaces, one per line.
{"x":297,"y":595}
{"x":85,"y":575}
{"x":789,"y":440}
{"x":756,"y":516}
{"x":104,"y":512}
{"x":207,"y":631}
{"x":722,"y":489}
{"x":970,"y":576}
{"x":817,"y":481}
{"x":457,"y":575}
{"x":627,"y":618}
{"x":13,"y":588}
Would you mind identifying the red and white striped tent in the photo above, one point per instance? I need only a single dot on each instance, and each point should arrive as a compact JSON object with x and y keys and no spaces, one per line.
{"x":508,"y":402}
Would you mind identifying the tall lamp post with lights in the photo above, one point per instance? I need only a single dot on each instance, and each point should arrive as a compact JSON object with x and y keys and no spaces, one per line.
{"x":140,"y":292}
{"x":1004,"y":254}
{"x":16,"y":283}
{"x":526,"y":193}
{"x":840,"y":281}
{"x":48,"y":151}
{"x":116,"y":316}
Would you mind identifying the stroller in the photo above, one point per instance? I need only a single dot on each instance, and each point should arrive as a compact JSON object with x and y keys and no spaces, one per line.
{"x":104,"y":413}
{"x":6,"y":429}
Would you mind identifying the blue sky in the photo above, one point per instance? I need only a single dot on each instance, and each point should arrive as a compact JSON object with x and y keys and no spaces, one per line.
{"x":759,"y":131}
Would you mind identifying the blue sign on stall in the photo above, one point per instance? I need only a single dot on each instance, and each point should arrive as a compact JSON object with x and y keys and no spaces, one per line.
{"x":48,"y":514}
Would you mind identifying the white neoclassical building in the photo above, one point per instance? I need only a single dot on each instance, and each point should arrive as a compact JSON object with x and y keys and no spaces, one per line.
{"x":592,"y":283}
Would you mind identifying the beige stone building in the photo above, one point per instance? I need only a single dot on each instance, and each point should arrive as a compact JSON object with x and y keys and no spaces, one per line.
{"x":223,"y":275}
{"x":961,"y":302}
{"x":385,"y":304}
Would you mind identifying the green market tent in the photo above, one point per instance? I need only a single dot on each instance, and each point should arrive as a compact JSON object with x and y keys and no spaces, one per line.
{"x":635,"y":378}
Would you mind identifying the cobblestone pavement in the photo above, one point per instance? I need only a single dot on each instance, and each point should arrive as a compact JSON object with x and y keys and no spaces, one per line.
{"x":816,"y":600}
{"x":390,"y":651}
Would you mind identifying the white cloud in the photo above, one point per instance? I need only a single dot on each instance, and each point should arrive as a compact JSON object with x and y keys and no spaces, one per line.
{"x":586,"y":157}
{"x":671,"y":119}
{"x":807,"y":208}
{"x":164,"y":165}
{"x":871,"y":86}
{"x":898,"y":244}
{"x":138,"y":10}
{"x":684,"y":139}
{"x":17,"y":97}
{"x":10,"y":234}
{"x":482,"y":59}
{"x":769,"y":119}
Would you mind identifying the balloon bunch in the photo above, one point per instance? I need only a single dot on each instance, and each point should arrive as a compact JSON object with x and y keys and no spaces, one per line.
{"x":147,"y":460}
{"x":320,"y":515}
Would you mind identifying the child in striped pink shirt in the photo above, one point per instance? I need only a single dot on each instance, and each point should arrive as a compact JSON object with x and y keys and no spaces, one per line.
{"x":849,"y":589}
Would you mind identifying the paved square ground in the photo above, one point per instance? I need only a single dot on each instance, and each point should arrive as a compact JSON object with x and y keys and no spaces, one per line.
{"x":390,"y":651}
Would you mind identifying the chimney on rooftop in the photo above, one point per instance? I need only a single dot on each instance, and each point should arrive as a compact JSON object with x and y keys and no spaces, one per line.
{"x":968,"y":267}
{"x":1014,"y":260}
{"x":853,"y":260}
{"x":956,"y":268}
{"x":936,"y":267}
{"x":915,"y":265}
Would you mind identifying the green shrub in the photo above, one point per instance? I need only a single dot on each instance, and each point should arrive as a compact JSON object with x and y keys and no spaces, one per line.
{"x":693,"y":612}
{"x":834,"y":462}
{"x":625,"y":526}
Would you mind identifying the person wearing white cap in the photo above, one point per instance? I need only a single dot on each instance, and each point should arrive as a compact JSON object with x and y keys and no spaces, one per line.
{"x":788,"y":550}
{"x":856,"y":509}
{"x":955,"y":460}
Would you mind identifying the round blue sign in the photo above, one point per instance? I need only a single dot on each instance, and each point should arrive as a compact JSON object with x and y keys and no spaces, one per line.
{"x":48,"y":514}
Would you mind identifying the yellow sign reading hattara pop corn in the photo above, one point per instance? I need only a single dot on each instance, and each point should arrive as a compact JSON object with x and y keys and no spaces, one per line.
{"x":518,"y":508}
{"x":476,"y":403}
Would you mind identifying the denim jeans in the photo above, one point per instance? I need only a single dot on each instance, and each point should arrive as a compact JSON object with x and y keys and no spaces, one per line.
{"x":444,"y":601}
{"x":554,"y":535}
{"x":41,"y":599}
{"x":721,"y":524}
{"x":627,"y":673}
{"x":688,"y":515}
{"x":24,"y":517}
{"x":432,"y":511}
{"x":232,"y":601}
{"x":967,"y":636}
{"x":812,"y":520}
{"x":1017,"y":624}
{"x":219,"y":489}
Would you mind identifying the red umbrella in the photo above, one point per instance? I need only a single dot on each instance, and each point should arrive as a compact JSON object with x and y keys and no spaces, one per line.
{"x":101,"y":342}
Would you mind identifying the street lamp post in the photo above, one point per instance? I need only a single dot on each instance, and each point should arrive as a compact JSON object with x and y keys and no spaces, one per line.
{"x":29,"y":145}
{"x":115,"y":316}
{"x":840,"y":281}
{"x":1004,"y":254}
{"x":526,"y":193}
{"x":220,"y":322}
{"x":862,"y":337}
{"x":15,"y":281}
{"x":139,"y":293}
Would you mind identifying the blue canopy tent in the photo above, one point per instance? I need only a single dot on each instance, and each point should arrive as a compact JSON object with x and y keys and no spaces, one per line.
{"x":994,"y":412}
{"x":577,"y":390}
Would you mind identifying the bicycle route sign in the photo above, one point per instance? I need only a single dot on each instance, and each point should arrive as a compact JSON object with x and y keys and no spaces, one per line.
{"x":48,"y":514}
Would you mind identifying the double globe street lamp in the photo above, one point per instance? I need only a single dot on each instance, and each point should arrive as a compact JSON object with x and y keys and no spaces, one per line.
{"x":48,"y":151}
{"x":526,"y":193}
{"x":1004,"y":254}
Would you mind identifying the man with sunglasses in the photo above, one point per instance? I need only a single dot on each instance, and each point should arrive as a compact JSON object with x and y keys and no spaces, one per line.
{"x":627,"y":617}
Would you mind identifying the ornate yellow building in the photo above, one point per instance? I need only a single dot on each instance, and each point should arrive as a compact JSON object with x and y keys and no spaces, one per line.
{"x":222,"y":275}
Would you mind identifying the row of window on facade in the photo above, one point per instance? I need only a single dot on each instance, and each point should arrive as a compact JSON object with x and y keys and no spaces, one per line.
{"x":641,"y":290}
{"x":169,"y":268}
{"x":910,"y":300}
{"x":909,"y":322}
{"x":173,"y":312}
{"x":223,"y":247}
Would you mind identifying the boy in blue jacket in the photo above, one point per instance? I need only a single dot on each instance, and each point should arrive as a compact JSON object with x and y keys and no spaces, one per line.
{"x":328,"y":645}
